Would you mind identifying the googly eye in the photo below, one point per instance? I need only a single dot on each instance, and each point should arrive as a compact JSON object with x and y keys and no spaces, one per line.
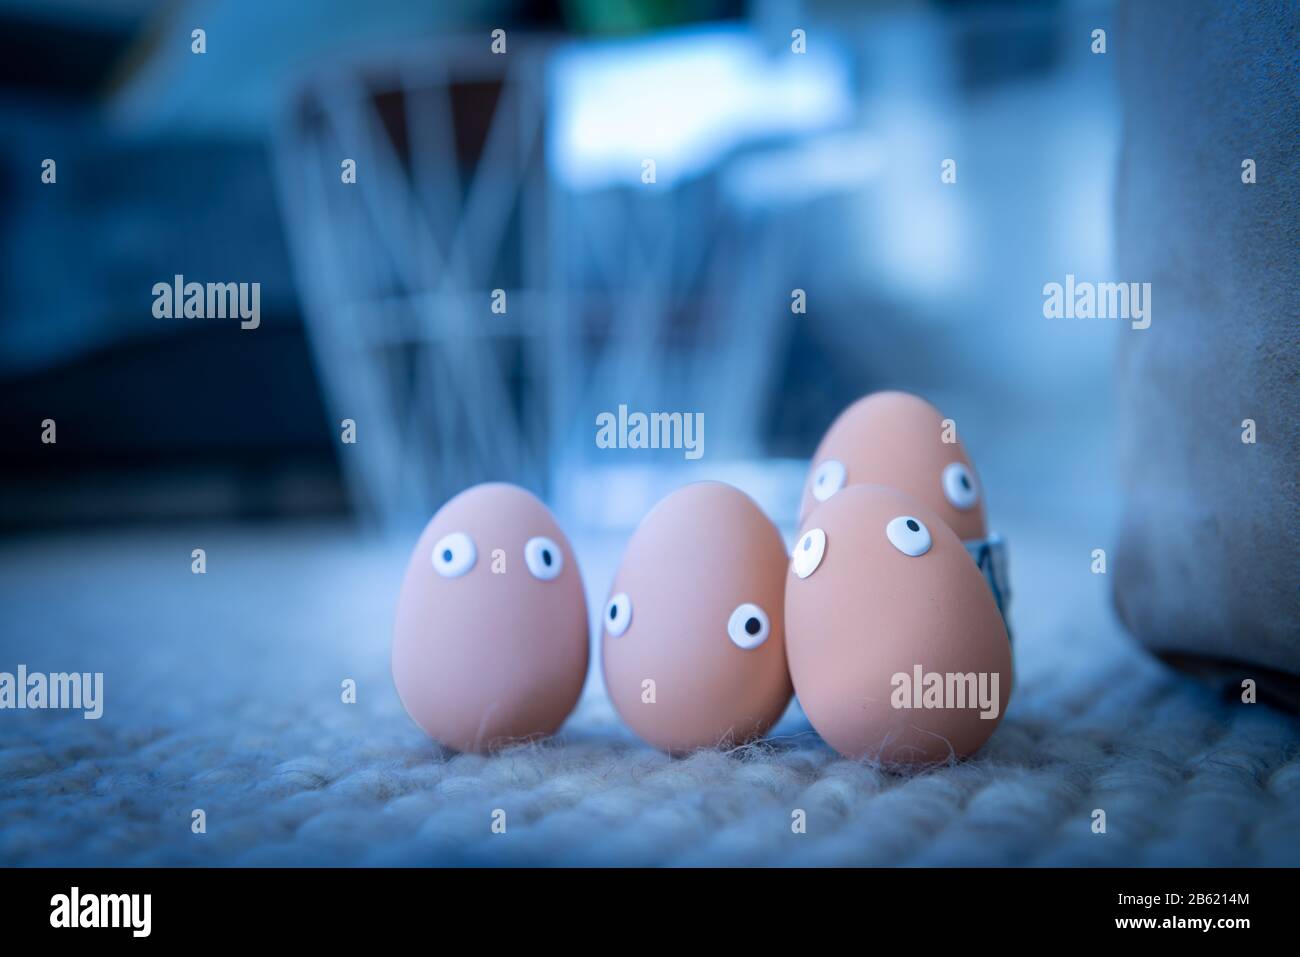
{"x":618,"y":614}
{"x":959,"y":486}
{"x":909,"y":535}
{"x":808,"y":552}
{"x":454,"y":555}
{"x":828,"y":479}
{"x":748,"y":626}
{"x":544,"y":558}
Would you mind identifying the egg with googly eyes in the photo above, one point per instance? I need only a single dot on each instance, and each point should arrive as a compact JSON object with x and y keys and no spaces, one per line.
{"x":490,"y":644}
{"x":900,"y":440}
{"x":895,"y":644}
{"x":693,"y":631}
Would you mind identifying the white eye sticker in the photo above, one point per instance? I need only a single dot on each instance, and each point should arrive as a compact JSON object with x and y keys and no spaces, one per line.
{"x":748,"y":626}
{"x":454,"y":555}
{"x":909,"y":535}
{"x":618,"y":614}
{"x":959,"y":486}
{"x":828,"y":479}
{"x":808,"y":552}
{"x":543,"y":558}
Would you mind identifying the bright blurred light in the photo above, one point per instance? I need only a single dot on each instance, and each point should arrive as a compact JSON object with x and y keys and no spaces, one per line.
{"x":684,"y":100}
{"x":797,"y":173}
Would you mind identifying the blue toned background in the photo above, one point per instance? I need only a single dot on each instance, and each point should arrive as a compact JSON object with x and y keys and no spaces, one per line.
{"x":523,"y":173}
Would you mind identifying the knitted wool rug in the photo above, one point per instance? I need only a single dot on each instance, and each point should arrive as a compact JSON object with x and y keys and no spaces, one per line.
{"x":222,"y":693}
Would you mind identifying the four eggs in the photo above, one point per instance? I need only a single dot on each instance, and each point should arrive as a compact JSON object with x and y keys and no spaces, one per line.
{"x":711,"y":625}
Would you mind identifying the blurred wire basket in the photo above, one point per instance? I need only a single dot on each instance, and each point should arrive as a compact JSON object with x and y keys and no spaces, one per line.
{"x":474,"y":187}
{"x":398,"y":270}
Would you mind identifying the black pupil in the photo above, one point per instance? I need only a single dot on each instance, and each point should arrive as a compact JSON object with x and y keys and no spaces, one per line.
{"x":546,"y":556}
{"x":752,"y":626}
{"x":911,"y":523}
{"x":446,"y":554}
{"x":613,"y":611}
{"x":965,"y":482}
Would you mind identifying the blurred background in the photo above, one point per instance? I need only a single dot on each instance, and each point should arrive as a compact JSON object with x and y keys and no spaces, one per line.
{"x":775,"y":171}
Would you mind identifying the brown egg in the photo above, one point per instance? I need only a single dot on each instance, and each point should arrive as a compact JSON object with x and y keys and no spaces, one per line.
{"x":491,"y":639}
{"x":896,"y":439}
{"x":895,"y":644}
{"x":694,"y":635}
